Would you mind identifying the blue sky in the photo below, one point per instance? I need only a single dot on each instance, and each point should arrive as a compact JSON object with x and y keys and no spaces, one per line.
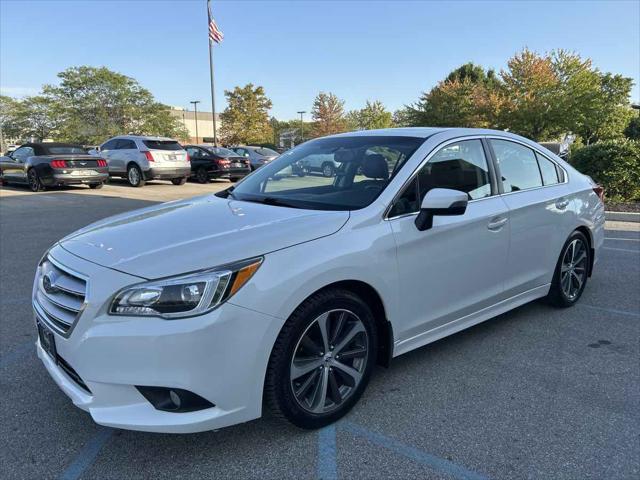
{"x":385,"y":50}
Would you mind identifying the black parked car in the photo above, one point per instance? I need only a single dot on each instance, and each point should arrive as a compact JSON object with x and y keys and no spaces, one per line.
{"x":42,"y":165}
{"x":216,"y":162}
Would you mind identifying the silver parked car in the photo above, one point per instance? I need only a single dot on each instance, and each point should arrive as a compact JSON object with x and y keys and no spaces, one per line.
{"x":139,"y":159}
{"x":258,"y":156}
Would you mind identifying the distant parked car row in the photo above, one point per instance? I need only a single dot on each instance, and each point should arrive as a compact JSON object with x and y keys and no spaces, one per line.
{"x":137,"y":159}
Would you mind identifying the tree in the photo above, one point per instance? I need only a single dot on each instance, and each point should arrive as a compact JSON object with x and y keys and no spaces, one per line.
{"x":93,"y":104}
{"x":632,"y":130}
{"x":462,"y":99}
{"x":10,"y":122}
{"x":38,"y":117}
{"x":373,"y":115}
{"x":328,"y":113}
{"x":246,"y":118}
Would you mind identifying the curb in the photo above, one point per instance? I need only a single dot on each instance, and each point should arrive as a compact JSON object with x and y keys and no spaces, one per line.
{"x":623,"y":216}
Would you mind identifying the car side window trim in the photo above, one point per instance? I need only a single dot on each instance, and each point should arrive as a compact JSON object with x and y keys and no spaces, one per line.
{"x":489,"y":158}
{"x":561,"y":171}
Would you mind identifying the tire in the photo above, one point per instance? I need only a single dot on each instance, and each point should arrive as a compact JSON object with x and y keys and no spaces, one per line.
{"x":134,"y":176}
{"x":179,"y":181}
{"x":96,"y":186}
{"x":202,"y":176}
{"x":328,"y":170}
{"x":340,"y":311}
{"x":235,"y":179}
{"x":571,"y":273}
{"x":34,"y":181}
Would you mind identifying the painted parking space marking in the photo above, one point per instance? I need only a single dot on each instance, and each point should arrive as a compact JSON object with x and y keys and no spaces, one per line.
{"x":623,"y":239}
{"x":327,"y":465}
{"x":87,"y":456}
{"x":622,"y":249}
{"x":609,"y":310}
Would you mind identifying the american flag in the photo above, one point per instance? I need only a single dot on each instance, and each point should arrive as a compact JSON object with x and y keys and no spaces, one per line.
{"x":214,"y":32}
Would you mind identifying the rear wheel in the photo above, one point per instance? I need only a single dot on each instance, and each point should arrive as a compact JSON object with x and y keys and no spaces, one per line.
{"x":134,"y":176}
{"x":96,"y":186}
{"x":201,"y":175}
{"x":328,"y":170}
{"x":179,"y":181}
{"x":322,"y":359}
{"x":572,"y":271}
{"x":34,"y":181}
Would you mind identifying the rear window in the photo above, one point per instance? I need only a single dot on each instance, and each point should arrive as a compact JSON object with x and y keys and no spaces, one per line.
{"x":162,"y":145}
{"x":69,"y":150}
{"x":222,"y":152}
{"x":267,"y":152}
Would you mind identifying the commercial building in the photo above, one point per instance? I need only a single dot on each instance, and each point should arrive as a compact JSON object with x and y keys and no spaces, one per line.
{"x":198,"y":127}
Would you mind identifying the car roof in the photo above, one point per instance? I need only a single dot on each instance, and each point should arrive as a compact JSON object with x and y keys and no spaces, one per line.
{"x":142,"y":137}
{"x":51,"y":144}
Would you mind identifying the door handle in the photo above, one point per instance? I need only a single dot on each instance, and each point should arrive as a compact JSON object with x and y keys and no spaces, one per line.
{"x":562,"y":203}
{"x":497,"y":223}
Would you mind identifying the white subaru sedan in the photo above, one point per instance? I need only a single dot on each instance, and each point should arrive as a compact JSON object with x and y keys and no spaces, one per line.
{"x":287,"y":289}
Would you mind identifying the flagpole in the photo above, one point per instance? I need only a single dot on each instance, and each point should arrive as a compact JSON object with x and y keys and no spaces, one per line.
{"x":213,"y":95}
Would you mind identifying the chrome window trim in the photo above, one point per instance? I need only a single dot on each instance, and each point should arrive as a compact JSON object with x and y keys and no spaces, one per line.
{"x":474,"y":137}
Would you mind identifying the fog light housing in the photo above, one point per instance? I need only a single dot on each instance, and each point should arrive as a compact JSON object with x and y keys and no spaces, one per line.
{"x":174,"y":400}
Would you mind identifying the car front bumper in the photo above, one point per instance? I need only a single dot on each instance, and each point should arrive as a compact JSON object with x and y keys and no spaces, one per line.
{"x":220,"y":356}
{"x":161,"y":173}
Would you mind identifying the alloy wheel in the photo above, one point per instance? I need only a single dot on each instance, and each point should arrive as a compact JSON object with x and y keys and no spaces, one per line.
{"x":573,"y":271}
{"x":134,"y":176}
{"x":34,"y":181}
{"x":329,"y":361}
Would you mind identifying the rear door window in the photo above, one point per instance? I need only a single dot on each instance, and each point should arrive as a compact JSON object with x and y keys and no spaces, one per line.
{"x":518,"y":166}
{"x":110,"y":145}
{"x":125,"y":144}
{"x":548,"y":170}
{"x":162,"y":145}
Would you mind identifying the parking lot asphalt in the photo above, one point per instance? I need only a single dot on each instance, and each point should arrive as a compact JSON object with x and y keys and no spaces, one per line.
{"x":534,"y":393}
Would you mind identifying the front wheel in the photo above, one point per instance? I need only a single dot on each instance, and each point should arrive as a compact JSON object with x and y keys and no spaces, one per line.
{"x":322,"y":359}
{"x":179,"y":181}
{"x":96,"y":186}
{"x":572,"y":271}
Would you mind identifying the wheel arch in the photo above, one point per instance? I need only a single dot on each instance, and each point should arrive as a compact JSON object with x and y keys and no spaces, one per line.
{"x":373,"y":299}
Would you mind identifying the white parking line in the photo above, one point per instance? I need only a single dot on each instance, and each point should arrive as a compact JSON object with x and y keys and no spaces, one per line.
{"x":623,"y":239}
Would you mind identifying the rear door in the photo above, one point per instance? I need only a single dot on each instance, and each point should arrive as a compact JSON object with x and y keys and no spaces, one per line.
{"x":126,"y":151}
{"x":108,"y":152}
{"x":538,"y":212}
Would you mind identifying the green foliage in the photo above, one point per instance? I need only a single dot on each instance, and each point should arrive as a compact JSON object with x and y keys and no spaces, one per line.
{"x":92,"y":104}
{"x":615,"y":164}
{"x":633,"y":128}
{"x":328,"y":114}
{"x":373,"y":115}
{"x":540,"y":97}
{"x":10,"y":120}
{"x":246,"y":118}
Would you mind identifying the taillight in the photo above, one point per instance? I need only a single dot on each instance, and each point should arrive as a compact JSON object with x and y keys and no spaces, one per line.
{"x":223,"y":163}
{"x":599,"y":190}
{"x":149,"y":156}
{"x":58,"y":164}
{"x":188,"y":158}
{"x":102,"y":162}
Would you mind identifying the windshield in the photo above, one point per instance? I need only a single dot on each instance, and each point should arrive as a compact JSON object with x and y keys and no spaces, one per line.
{"x":222,"y":152}
{"x":266,"y":152}
{"x":340,"y":173}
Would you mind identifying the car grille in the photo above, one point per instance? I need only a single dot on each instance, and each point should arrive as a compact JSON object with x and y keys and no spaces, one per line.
{"x":59,"y":296}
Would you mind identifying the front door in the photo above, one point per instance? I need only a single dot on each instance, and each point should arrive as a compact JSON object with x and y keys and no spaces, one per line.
{"x":456,"y":268}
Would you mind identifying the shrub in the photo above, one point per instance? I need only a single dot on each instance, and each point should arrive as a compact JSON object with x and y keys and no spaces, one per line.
{"x":615,"y":164}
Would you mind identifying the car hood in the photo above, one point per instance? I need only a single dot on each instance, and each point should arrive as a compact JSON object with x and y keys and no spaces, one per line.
{"x":202,"y":232}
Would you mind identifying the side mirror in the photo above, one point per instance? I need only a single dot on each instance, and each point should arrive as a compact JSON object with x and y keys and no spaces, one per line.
{"x":440,"y":201}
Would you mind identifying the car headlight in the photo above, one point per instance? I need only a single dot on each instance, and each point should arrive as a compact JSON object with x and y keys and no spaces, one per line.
{"x":186,"y":295}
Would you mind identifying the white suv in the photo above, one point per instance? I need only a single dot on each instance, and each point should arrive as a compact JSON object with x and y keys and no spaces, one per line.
{"x":139,"y":159}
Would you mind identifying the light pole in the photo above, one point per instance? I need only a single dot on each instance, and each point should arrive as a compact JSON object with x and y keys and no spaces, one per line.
{"x":302,"y":112}
{"x":195,"y":110}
